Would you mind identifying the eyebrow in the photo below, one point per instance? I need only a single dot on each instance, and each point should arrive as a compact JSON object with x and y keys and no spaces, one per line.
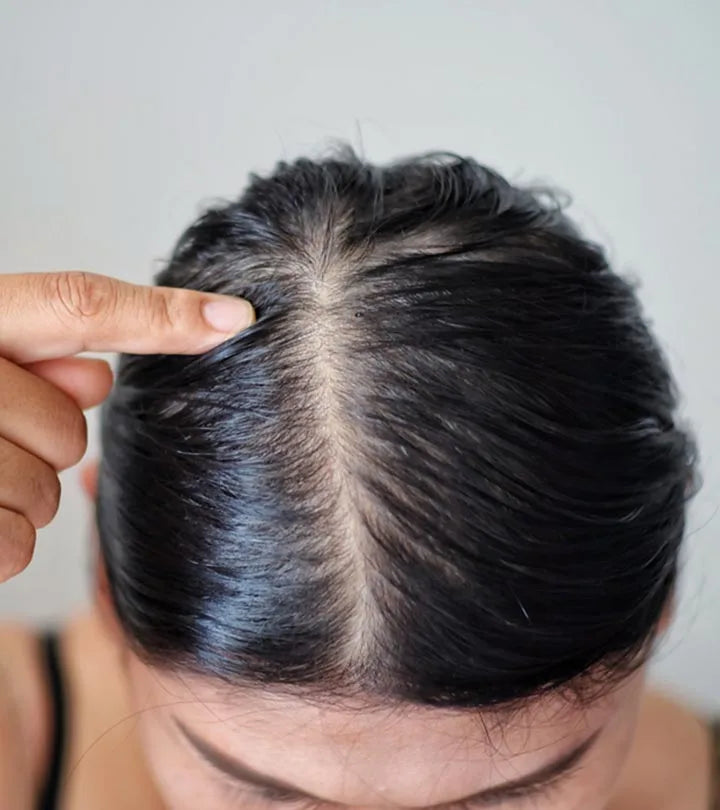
{"x":525,"y":785}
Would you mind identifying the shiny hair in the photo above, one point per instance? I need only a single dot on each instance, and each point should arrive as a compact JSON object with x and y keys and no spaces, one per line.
{"x":442,"y":467}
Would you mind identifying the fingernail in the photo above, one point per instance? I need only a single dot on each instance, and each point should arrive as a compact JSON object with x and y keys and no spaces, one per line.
{"x":231,"y":315}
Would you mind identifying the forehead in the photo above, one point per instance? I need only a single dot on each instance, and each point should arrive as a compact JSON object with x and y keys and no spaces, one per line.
{"x":338,"y":748}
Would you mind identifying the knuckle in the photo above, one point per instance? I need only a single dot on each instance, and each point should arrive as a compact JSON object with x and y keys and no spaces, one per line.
{"x":24,"y":546}
{"x":71,"y":435}
{"x":79,"y":295}
{"x":17,"y":543}
{"x":45,"y":491}
{"x":30,"y":486}
{"x":162,"y":315}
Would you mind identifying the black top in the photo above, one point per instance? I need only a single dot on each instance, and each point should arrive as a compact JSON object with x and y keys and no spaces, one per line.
{"x":50,"y":794}
{"x":715,"y":732}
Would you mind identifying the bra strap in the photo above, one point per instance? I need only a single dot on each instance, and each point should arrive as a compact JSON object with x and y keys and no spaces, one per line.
{"x":50,"y":794}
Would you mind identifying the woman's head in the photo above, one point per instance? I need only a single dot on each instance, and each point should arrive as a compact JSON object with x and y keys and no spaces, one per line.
{"x":440,"y":477}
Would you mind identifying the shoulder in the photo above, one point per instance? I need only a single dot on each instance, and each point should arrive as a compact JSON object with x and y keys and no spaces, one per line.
{"x":714,"y":727}
{"x":24,"y":716}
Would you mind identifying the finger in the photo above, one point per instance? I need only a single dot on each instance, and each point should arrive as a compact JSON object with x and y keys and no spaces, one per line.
{"x":40,"y":418}
{"x":86,"y":379}
{"x":17,"y":543}
{"x":47,"y":315}
{"x":28,"y":485}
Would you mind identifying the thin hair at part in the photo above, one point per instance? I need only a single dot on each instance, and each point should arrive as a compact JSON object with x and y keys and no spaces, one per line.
{"x":444,"y":466}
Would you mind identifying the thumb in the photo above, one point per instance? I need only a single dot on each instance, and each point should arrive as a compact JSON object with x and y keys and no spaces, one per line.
{"x":49,"y":315}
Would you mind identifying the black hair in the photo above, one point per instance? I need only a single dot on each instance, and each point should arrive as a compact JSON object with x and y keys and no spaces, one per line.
{"x":442,"y":467}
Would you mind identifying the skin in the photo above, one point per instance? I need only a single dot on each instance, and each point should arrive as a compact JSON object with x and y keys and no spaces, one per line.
{"x":45,"y":320}
{"x":380,"y":759}
{"x":126,"y":750}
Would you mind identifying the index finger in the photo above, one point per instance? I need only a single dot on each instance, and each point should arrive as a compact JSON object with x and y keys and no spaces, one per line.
{"x":48,"y":315}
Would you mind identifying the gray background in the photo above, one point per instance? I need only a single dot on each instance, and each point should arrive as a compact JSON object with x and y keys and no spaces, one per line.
{"x":121,"y":120}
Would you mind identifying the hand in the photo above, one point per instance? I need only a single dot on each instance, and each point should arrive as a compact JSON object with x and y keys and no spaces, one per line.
{"x":45,"y":318}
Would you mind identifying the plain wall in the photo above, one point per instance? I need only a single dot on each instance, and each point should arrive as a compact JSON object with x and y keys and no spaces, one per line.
{"x":121,"y":120}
